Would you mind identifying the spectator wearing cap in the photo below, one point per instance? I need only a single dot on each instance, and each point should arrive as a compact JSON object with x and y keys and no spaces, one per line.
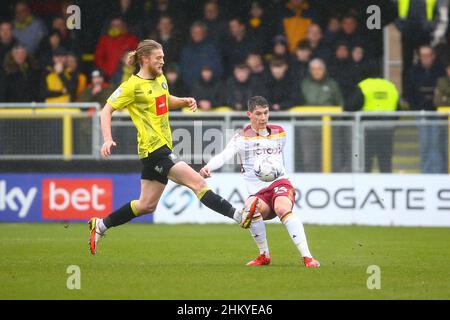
{"x":280,"y":88}
{"x":57,"y":84}
{"x":7,"y":39}
{"x":176,"y":85}
{"x":199,"y":51}
{"x":238,"y":44}
{"x":113,"y":45}
{"x":97,"y":90}
{"x":28,"y":29}
{"x":207,"y":90}
{"x":21,"y":76}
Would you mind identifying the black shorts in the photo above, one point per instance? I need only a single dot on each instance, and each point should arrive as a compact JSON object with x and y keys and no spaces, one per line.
{"x":157,"y":165}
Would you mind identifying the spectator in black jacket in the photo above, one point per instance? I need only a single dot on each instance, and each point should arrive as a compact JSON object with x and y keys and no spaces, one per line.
{"x":421,"y":84}
{"x":240,"y":87}
{"x":217,"y":26}
{"x":260,"y":27}
{"x":299,"y":65}
{"x":257,"y":66}
{"x":280,"y":87}
{"x":238,"y":44}
{"x":21,"y":76}
{"x":174,"y":81}
{"x":167,"y":36}
{"x":280,"y":48}
{"x":339,"y":69}
{"x":207,"y":90}
{"x":418,"y":26}
{"x":319,"y":48}
{"x":350,"y":33}
{"x":46,"y":47}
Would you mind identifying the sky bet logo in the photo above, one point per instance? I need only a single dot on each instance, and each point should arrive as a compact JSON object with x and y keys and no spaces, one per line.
{"x":15,"y":199}
{"x":61,"y":199}
{"x":76,"y":198}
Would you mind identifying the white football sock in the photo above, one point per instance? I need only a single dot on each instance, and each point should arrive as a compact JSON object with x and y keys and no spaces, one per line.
{"x":258,"y":231}
{"x":237,"y":215}
{"x":295,"y":228}
{"x":101,"y":226}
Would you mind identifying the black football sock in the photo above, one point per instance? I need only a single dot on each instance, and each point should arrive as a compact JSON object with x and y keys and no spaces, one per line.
{"x":120,"y":216}
{"x":217,"y":203}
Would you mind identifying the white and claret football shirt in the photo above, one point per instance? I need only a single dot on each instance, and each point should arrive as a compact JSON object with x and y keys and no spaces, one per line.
{"x":147,"y":101}
{"x":249,"y":145}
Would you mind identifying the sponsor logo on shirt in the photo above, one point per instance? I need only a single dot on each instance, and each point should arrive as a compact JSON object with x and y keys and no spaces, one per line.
{"x":161,"y":105}
{"x":116,"y":94}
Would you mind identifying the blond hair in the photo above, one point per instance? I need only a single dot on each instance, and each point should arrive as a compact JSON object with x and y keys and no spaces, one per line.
{"x":145,"y":47}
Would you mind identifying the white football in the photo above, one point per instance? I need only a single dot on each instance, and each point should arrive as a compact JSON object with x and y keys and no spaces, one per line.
{"x":267,"y":168}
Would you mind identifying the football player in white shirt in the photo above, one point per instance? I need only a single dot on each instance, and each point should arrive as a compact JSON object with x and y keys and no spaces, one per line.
{"x":275,"y":198}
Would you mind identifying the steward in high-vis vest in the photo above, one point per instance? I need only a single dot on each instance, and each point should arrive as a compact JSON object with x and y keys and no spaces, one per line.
{"x":377,"y":95}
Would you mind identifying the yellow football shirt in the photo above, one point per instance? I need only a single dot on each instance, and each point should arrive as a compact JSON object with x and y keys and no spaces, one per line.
{"x":147,"y":102}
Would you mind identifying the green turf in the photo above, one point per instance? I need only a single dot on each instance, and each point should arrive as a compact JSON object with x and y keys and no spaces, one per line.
{"x":208,"y":262}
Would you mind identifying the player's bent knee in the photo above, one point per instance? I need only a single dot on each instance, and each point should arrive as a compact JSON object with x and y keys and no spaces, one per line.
{"x":198,"y":184}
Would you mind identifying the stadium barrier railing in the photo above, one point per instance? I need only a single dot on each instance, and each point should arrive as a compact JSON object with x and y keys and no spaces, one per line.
{"x":66,"y":113}
{"x":71,"y":140}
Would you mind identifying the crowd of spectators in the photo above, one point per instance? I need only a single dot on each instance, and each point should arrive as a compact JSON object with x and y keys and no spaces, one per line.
{"x":284,"y":50}
{"x":293,"y":52}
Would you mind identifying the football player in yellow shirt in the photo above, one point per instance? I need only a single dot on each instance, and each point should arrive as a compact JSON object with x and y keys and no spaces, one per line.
{"x":146,"y":97}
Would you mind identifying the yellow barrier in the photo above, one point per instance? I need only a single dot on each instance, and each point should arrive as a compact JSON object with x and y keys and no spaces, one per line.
{"x":327,"y":139}
{"x":447,"y":109}
{"x":215,"y":109}
{"x":64,"y":113}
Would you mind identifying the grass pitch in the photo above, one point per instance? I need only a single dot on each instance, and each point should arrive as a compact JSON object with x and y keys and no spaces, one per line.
{"x":208,"y":262}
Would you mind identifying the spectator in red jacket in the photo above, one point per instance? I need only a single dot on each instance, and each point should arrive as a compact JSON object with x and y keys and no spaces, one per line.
{"x":113,"y":45}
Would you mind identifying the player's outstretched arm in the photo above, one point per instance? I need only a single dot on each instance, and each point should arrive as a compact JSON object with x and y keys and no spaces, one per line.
{"x":220,"y":159}
{"x":105,"y":119}
{"x":176,"y":102}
